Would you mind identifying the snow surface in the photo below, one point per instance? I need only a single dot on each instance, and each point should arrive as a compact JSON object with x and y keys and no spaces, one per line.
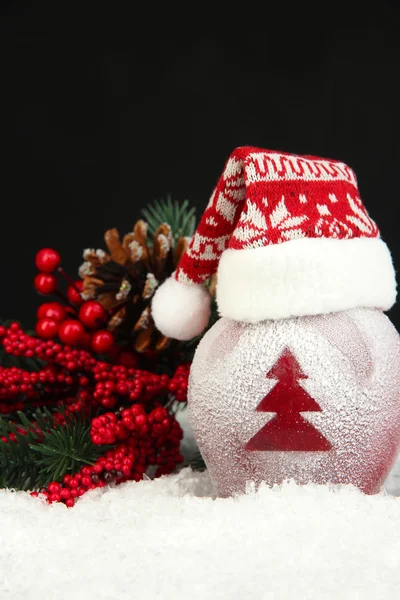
{"x":171,"y":539}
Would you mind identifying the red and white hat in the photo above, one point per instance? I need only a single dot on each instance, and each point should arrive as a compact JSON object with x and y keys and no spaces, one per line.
{"x":288,"y":236}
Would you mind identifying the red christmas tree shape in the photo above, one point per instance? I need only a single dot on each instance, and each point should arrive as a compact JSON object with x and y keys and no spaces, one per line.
{"x":288,"y":430}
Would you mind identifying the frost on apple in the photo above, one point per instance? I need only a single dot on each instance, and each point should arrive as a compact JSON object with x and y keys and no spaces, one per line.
{"x":313,"y":399}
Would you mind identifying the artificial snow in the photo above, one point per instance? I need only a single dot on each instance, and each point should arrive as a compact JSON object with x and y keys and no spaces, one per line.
{"x":171,"y":538}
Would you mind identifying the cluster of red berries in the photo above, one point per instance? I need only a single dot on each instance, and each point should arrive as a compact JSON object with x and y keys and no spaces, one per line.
{"x":109,"y":428}
{"x":76,"y":377}
{"x":73,"y":486}
{"x":156,"y":434}
{"x":47,"y":261}
{"x":156,"y":444}
{"x":178,"y":385}
{"x":78,"y":323}
{"x":117,"y":381}
{"x":66,"y":371}
{"x":145,"y":432}
{"x":18,"y":383}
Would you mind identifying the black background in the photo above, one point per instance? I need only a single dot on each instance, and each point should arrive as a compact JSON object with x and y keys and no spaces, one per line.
{"x":102,"y":112}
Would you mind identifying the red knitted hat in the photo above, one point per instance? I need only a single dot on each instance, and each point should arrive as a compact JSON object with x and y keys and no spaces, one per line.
{"x":288,"y":236}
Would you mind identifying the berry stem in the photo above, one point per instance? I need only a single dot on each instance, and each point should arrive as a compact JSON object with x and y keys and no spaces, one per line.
{"x":68,"y":279}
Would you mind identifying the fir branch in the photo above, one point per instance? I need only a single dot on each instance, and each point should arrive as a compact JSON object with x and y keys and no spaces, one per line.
{"x":47,"y":451}
{"x":17,"y":463}
{"x":179,"y":216}
{"x":197,"y":463}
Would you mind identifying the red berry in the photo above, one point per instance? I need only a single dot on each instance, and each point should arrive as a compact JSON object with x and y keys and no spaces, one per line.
{"x":65,"y":493}
{"x":74,"y":293}
{"x":70,"y":502}
{"x":108,"y":402}
{"x":54,"y":487}
{"x":46,"y":328}
{"x":92,"y":314}
{"x":71,"y":332}
{"x":141,"y":420}
{"x":45,"y":283}
{"x":159,"y":414}
{"x":52,"y":310}
{"x":47,"y":260}
{"x":102,"y":341}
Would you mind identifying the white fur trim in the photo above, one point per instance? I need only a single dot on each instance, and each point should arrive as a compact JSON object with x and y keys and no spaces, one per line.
{"x":305,"y":277}
{"x":181,"y":311}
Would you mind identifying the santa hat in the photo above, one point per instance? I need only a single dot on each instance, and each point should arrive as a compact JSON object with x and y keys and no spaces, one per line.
{"x":287,"y":235}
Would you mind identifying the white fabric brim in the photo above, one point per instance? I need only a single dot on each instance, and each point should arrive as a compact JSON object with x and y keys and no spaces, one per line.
{"x":305,"y":277}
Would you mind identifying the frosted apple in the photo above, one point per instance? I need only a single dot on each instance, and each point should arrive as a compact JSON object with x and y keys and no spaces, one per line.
{"x":314,"y":399}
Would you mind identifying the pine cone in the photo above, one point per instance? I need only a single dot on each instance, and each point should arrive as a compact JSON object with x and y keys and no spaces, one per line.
{"x":124,"y":279}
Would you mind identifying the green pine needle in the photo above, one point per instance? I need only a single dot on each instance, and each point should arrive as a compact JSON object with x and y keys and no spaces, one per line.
{"x":197,"y":462}
{"x":179,"y":216}
{"x":33,"y":461}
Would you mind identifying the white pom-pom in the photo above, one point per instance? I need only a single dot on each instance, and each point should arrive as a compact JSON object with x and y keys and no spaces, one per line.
{"x":181,"y":311}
